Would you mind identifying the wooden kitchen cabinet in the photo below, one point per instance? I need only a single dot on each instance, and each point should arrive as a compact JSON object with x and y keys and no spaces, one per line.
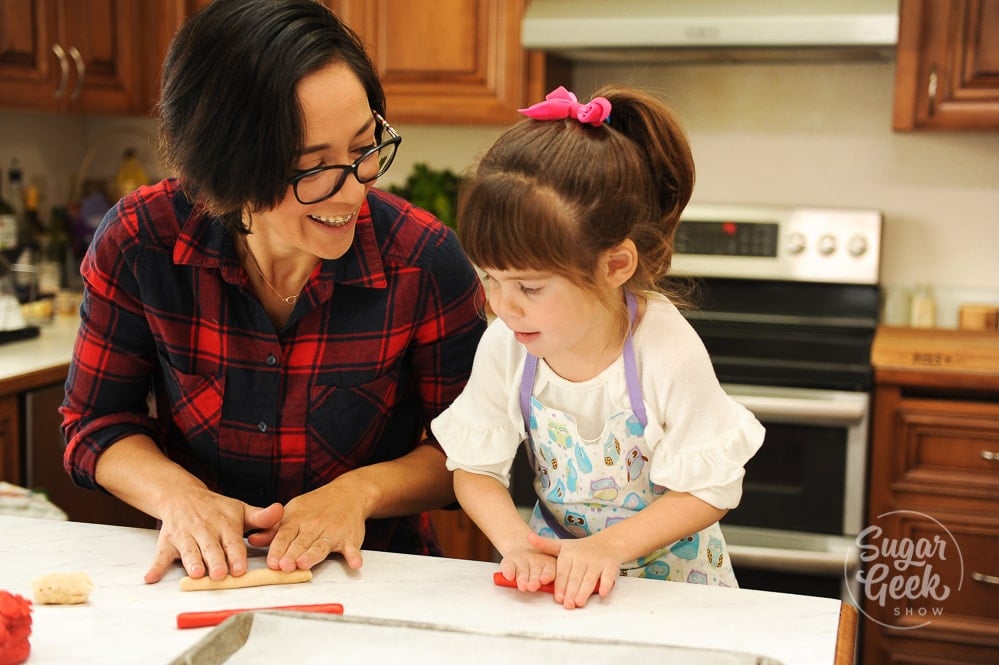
{"x":74,"y":55}
{"x":10,"y":441}
{"x":31,"y":446}
{"x":947,"y":65}
{"x":450,"y":62}
{"x":459,"y":63}
{"x":459,"y":537}
{"x":44,"y":448}
{"x":935,"y":474}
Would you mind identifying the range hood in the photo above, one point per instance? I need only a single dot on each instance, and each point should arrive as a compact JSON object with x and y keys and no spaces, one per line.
{"x":711,"y":30}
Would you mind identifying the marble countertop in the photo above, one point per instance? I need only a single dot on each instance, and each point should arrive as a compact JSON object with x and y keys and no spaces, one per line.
{"x":128,"y":621}
{"x":52,"y":348}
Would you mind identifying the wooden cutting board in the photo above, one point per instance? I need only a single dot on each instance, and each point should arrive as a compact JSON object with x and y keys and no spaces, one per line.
{"x":971,"y":351}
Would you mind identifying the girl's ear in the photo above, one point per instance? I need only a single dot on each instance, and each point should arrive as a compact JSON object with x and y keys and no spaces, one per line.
{"x":620,"y":263}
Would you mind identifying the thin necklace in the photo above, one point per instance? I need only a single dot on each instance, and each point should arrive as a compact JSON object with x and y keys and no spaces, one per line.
{"x":290,"y":300}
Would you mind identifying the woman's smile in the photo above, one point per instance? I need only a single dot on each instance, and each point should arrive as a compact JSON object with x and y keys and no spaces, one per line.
{"x":336,"y":221}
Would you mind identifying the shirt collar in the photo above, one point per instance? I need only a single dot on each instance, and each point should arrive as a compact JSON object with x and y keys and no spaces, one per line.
{"x":203,"y":242}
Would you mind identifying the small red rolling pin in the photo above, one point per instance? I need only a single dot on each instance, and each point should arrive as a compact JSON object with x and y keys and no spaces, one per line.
{"x":214,"y":618}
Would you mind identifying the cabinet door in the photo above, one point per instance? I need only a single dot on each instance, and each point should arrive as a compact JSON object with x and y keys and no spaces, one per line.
{"x":947,"y":70}
{"x":72,"y":55}
{"x":10,"y":441}
{"x":30,"y":73}
{"x":459,"y":537}
{"x":460,"y":62}
{"x":101,"y":38}
{"x":44,"y":445}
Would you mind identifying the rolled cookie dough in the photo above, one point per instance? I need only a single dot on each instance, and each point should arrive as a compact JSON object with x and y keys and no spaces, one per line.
{"x":62,"y":588}
{"x":255,"y":577}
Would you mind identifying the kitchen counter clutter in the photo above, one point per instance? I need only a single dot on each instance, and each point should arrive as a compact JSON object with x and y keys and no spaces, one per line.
{"x":22,"y":362}
{"x":128,"y":621}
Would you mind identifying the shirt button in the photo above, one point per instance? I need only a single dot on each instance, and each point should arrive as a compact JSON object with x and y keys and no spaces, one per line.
{"x":262,"y":426}
{"x":271,"y":359}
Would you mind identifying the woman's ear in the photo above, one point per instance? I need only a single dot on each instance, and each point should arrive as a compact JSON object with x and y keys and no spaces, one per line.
{"x":620,"y":263}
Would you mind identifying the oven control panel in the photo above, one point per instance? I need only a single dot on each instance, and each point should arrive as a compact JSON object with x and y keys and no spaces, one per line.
{"x":837,"y":245}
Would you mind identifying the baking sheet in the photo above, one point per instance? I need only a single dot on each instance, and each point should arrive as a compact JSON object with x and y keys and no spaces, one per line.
{"x":256,"y":638}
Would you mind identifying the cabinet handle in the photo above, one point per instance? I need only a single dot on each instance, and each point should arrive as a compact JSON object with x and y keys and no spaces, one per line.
{"x":81,"y":72}
{"x":990,"y":455}
{"x":931,"y":89}
{"x":63,"y":70}
{"x":985,"y":579}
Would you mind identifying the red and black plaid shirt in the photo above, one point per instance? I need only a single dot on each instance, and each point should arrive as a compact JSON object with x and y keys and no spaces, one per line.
{"x":380,"y":342}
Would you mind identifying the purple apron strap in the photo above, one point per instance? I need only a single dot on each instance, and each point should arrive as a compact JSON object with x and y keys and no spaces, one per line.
{"x":631,"y":378}
{"x":526,"y":387}
{"x":632,"y":382}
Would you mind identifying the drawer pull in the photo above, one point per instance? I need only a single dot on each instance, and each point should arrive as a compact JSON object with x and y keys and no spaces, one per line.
{"x":990,"y":455}
{"x":985,"y":579}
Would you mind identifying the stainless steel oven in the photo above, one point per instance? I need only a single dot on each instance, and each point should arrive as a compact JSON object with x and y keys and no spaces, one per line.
{"x":788,"y":306}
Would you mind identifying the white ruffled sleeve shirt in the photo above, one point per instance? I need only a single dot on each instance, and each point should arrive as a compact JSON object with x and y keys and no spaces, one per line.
{"x":700,"y":438}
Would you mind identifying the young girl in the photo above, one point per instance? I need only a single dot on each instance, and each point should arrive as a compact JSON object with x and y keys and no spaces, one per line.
{"x":637,"y":450}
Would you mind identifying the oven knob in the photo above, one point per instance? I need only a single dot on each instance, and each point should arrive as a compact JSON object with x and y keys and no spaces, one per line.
{"x":857,"y":246}
{"x":827,"y":244}
{"x":796,"y":243}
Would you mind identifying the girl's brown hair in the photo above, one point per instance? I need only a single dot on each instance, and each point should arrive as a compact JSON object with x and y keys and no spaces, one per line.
{"x":554,"y":195}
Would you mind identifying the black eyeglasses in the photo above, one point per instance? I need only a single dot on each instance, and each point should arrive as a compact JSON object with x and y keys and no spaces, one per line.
{"x":322,"y":182}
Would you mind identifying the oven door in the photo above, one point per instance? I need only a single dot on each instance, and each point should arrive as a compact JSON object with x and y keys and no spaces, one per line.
{"x":809,"y":473}
{"x":802,"y":500}
{"x":794,"y":562}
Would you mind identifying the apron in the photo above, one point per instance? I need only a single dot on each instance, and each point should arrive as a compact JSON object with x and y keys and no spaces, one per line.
{"x":585,"y":486}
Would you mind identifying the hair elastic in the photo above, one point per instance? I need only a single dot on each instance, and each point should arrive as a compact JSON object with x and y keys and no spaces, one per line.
{"x":560,"y":103}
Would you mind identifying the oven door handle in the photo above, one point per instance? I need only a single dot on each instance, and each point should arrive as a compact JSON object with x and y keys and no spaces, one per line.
{"x":792,"y":561}
{"x":848,"y":409}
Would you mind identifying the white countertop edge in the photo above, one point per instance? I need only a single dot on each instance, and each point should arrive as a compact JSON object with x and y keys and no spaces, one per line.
{"x":127,"y":621}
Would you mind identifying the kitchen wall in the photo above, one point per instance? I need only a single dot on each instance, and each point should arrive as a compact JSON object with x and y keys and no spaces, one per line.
{"x":820,"y":134}
{"x":816,"y":133}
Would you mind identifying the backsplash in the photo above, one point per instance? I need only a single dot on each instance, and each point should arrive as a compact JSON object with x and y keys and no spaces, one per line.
{"x":812,"y":134}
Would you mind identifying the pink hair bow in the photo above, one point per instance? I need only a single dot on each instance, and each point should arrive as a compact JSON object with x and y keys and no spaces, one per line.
{"x":560,"y":103}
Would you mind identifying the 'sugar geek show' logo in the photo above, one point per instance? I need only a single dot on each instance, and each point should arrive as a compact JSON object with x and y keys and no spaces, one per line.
{"x":904,"y":581}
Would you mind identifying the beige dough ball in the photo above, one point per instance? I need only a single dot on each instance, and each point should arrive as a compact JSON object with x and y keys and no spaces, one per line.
{"x":62,"y":588}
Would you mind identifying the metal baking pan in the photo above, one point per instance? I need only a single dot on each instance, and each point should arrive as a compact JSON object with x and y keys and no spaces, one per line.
{"x":304,"y":639}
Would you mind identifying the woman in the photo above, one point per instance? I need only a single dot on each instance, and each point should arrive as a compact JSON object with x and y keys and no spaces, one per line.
{"x":297,"y":329}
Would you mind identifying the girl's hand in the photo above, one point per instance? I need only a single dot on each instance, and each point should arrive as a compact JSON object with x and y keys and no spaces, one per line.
{"x":583,"y":567}
{"x":529,"y":567}
{"x":205,"y":531}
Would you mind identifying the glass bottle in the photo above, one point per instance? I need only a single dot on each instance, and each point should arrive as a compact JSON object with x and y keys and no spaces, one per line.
{"x":924,"y":307}
{"x":130,"y":174}
{"x":48,"y":263}
{"x":10,"y":245}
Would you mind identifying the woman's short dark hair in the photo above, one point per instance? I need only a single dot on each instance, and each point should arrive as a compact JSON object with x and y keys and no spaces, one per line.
{"x":230,"y":122}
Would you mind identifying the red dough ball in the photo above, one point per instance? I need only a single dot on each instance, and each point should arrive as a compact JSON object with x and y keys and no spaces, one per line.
{"x":15,"y":628}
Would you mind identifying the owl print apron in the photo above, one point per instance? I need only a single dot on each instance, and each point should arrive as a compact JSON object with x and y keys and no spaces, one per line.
{"x":584,"y":486}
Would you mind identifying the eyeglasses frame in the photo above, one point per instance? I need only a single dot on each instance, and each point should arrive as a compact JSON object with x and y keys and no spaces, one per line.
{"x":347,"y":169}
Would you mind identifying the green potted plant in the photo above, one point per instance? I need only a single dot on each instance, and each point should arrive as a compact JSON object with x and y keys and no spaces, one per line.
{"x":433,"y":190}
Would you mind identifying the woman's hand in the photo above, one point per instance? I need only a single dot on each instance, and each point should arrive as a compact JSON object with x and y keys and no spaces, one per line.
{"x":316,"y":524}
{"x":583,"y":566}
{"x":205,"y":531}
